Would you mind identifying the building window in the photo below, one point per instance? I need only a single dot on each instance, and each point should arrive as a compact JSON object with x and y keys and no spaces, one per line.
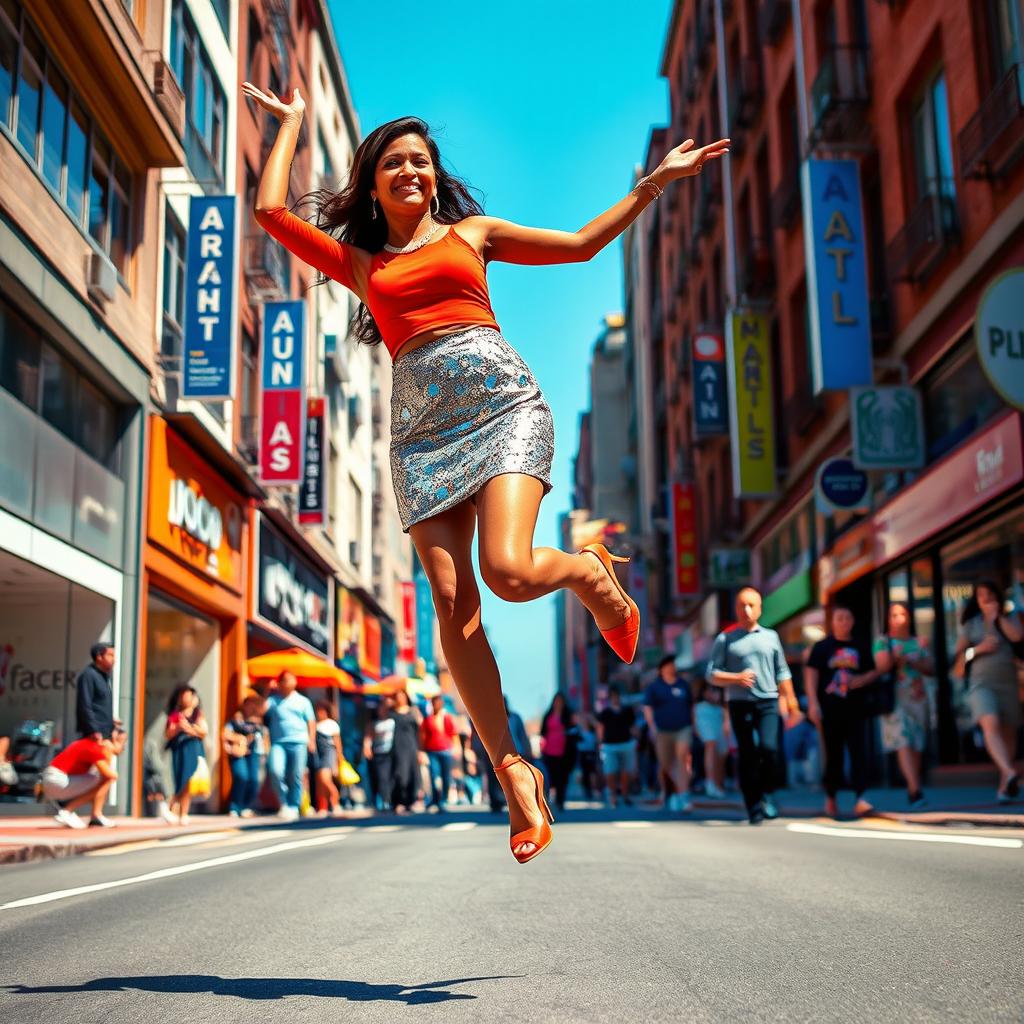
{"x":932,"y":142}
{"x":205,"y":104}
{"x":253,"y":42}
{"x":56,"y":134}
{"x":174,"y":288}
{"x":1006,"y":35}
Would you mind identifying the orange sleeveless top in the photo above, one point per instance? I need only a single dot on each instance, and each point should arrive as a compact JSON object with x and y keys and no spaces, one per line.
{"x":441,"y":284}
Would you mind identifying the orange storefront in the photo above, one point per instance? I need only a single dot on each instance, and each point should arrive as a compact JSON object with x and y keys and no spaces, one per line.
{"x":193,"y":607}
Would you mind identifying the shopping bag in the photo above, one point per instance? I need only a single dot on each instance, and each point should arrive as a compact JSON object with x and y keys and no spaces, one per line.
{"x":199,"y":784}
{"x":347,"y":775}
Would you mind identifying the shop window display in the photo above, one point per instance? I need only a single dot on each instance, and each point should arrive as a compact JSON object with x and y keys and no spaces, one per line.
{"x":182,"y":647}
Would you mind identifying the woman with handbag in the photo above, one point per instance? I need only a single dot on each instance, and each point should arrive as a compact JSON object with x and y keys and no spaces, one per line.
{"x":905,"y":729}
{"x":987,"y":649}
{"x":242,"y":743}
{"x":185,"y":732}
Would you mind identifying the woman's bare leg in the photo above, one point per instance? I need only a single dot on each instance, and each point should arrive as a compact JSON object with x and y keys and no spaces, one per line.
{"x":515,"y":570}
{"x":444,"y":544}
{"x":998,"y":749}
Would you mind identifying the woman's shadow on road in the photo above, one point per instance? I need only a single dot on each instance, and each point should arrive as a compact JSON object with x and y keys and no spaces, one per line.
{"x":268,"y":988}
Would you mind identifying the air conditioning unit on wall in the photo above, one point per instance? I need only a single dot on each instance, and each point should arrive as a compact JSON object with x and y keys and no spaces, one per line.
{"x":100,"y":277}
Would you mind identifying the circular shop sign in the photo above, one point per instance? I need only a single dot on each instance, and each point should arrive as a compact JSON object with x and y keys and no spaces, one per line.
{"x":841,"y":486}
{"x":999,"y":332}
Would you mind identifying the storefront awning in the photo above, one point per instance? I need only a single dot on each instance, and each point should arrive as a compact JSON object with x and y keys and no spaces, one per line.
{"x":307,"y":668}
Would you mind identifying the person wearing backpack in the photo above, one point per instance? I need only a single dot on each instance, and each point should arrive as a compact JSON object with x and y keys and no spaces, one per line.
{"x":839,"y":667}
{"x":987,"y":650}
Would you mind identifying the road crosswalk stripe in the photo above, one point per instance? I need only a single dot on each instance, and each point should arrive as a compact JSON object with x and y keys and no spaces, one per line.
{"x":458,"y":826}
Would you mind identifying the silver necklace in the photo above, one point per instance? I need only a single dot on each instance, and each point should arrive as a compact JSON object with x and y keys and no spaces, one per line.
{"x":416,"y":243}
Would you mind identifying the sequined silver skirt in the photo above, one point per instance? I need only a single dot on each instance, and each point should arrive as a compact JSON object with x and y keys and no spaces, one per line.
{"x":464,"y":409}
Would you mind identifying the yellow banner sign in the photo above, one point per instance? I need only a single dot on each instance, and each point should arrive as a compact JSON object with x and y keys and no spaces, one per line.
{"x":752,"y":421}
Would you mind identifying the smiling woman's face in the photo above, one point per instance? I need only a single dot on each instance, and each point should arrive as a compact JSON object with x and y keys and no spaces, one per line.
{"x":404,"y":180}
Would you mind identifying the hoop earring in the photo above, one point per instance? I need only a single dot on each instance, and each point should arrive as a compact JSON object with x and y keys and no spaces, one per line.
{"x":436,"y":199}
{"x":373,"y":207}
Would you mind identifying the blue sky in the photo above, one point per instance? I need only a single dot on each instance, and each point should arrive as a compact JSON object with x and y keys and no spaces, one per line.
{"x":545,"y":107}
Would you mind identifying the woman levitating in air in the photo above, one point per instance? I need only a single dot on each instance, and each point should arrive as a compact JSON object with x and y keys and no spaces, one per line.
{"x":472,"y":438}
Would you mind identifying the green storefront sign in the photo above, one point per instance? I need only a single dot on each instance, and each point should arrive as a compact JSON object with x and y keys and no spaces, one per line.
{"x":793,"y":596}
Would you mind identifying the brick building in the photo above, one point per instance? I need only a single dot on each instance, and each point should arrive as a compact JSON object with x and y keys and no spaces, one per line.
{"x":927,"y":96}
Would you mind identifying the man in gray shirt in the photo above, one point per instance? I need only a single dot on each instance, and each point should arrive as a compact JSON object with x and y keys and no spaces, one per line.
{"x":748,"y":661}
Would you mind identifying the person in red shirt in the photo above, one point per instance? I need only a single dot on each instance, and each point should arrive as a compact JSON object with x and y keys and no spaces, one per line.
{"x":437,"y":733}
{"x":82,"y":773}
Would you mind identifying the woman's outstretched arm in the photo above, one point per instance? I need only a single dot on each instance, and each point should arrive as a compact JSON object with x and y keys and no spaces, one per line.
{"x":309,"y":243}
{"x":514,"y":243}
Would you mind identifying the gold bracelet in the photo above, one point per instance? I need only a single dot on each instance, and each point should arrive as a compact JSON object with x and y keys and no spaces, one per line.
{"x":648,"y":185}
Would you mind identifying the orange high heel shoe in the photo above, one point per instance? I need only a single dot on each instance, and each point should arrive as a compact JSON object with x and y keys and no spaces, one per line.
{"x":539,"y":835}
{"x":622,"y":639}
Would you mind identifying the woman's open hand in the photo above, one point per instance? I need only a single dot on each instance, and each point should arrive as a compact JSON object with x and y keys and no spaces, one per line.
{"x":685,"y":161}
{"x":293,"y":111}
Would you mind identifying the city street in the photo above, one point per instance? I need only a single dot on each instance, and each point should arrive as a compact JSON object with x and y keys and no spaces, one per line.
{"x":637,"y":918}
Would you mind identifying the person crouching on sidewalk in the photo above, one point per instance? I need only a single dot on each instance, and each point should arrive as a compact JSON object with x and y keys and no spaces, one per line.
{"x":82,"y":773}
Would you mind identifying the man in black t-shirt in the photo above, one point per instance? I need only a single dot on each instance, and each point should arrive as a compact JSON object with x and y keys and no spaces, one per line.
{"x":616,"y":734}
{"x":838,"y":666}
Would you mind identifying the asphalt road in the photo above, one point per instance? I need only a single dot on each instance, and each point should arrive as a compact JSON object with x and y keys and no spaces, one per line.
{"x":644,"y":920}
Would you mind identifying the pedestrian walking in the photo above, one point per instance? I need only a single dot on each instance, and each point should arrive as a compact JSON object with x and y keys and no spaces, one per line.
{"x":616,"y":730}
{"x":986,"y":660}
{"x":558,"y":748}
{"x":711,"y":727}
{"x":905,"y":729}
{"x":80,"y":774}
{"x":437,"y":734}
{"x":668,"y":708}
{"x":94,"y":694}
{"x":184,"y":734}
{"x":839,"y":667}
{"x":329,"y":756}
{"x":487,"y":775}
{"x":748,"y":661}
{"x":472,"y":436}
{"x":378,"y":749}
{"x":405,"y":785}
{"x":291,"y":722}
{"x":243,"y":744}
{"x":586,"y":752}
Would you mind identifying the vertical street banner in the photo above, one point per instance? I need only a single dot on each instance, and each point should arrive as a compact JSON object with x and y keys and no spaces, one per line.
{"x":407,"y":632}
{"x":211,"y":263}
{"x":684,"y":539}
{"x":424,"y":616}
{"x":839,"y":311}
{"x":282,"y":392}
{"x":312,"y":510}
{"x":710,"y":405}
{"x":751,"y":416}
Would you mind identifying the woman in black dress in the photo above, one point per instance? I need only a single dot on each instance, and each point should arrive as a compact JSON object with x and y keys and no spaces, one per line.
{"x":406,"y":783}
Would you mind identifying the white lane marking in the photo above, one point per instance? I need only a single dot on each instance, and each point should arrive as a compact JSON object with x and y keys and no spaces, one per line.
{"x":382,"y":828}
{"x":906,"y":837}
{"x":194,"y":838}
{"x":184,"y":869}
{"x":250,"y":837}
{"x":633,"y":824}
{"x":458,"y":826}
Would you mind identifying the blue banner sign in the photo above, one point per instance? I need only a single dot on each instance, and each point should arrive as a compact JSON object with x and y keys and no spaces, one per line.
{"x":837,"y":278}
{"x":282,"y":399}
{"x":710,"y":402}
{"x":210,"y":287}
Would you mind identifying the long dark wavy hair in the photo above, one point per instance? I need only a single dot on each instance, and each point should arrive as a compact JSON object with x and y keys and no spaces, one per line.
{"x":347,"y":215}
{"x":972,"y":609}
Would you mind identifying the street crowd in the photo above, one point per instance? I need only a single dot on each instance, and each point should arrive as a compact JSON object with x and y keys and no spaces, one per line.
{"x":738,"y":723}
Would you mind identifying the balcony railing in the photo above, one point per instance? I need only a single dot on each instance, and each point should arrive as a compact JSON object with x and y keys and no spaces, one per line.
{"x":169,"y":96}
{"x":993,"y":140}
{"x":840,"y":96}
{"x":931,"y":230}
{"x":266,"y":267}
{"x":757,"y":276}
{"x":745,"y":94}
{"x":773,"y":19}
{"x":786,"y":200}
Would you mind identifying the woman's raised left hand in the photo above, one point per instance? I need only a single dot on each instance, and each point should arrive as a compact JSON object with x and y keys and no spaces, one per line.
{"x":686,"y":161}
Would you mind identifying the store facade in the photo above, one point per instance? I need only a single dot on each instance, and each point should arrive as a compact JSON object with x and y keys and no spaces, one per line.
{"x":958,"y":523}
{"x":194,"y":589}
